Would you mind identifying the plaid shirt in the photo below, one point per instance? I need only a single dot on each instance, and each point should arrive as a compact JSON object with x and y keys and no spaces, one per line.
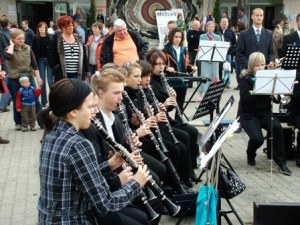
{"x":71,"y":181}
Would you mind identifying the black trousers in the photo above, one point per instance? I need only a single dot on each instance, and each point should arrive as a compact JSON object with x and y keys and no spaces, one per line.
{"x":188,"y":135}
{"x":253,"y":125}
{"x":157,"y":169}
{"x":129,"y":215}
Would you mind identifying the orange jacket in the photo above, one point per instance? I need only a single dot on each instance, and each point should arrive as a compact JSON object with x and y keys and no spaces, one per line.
{"x":98,"y":50}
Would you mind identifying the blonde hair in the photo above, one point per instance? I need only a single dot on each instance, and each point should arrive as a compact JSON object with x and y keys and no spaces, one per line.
{"x":256,"y":58}
{"x":107,"y":76}
{"x":22,"y":79}
{"x":130,"y":65}
{"x":16,"y":33}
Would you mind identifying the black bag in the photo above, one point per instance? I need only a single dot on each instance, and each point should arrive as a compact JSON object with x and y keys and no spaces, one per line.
{"x":230,"y":184}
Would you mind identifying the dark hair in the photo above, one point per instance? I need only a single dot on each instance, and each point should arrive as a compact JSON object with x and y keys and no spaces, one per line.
{"x":153,"y":54}
{"x":38,"y":35}
{"x":4,"y":21}
{"x":65,"y":95}
{"x":172,"y":33}
{"x":146,"y":67}
{"x":14,"y":25}
{"x":298,"y":17}
{"x":171,"y":21}
{"x":64,"y":21}
{"x":241,"y":25}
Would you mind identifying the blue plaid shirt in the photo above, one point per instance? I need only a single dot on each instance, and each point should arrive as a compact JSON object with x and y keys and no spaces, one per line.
{"x":71,"y":181}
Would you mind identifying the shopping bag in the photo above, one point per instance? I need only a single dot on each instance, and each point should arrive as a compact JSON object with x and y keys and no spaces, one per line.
{"x":206,"y":206}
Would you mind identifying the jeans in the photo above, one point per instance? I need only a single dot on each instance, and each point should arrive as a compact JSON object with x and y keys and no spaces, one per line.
{"x":44,"y":67}
{"x":13,"y":86}
{"x":5,"y":98}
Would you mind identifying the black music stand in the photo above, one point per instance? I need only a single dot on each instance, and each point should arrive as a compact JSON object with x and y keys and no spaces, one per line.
{"x":292,"y":58}
{"x":214,"y":124}
{"x":210,"y":100}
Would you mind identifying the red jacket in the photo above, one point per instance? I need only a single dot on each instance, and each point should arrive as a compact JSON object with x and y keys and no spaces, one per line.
{"x":98,"y":50}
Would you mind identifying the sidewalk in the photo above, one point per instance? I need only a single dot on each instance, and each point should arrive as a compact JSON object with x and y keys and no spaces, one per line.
{"x":19,"y":179}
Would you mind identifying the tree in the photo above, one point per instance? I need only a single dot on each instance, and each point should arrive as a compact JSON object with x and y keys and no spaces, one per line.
{"x":217,"y":12}
{"x":92,"y":14}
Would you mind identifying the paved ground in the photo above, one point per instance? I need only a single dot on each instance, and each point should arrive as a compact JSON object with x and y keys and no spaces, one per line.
{"x":19,"y":183}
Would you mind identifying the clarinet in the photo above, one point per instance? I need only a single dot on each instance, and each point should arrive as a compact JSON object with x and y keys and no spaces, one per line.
{"x":162,"y":156}
{"x":149,"y":114}
{"x":178,"y":111}
{"x":171,"y":207}
{"x":158,"y":109}
{"x":168,"y":163}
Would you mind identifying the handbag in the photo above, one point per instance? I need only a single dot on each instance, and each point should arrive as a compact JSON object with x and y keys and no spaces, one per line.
{"x":230,"y":184}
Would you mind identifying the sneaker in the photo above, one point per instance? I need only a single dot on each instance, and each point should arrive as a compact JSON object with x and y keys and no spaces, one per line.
{"x":3,"y":110}
{"x":18,"y":127}
{"x":32,"y":128}
{"x":3,"y":141}
{"x":237,"y":88}
{"x":24,"y":129}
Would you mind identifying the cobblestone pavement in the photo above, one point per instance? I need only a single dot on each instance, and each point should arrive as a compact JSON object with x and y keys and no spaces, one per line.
{"x":19,"y":182}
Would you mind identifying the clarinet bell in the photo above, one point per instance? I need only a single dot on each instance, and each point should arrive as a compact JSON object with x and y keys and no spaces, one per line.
{"x":152,"y":215}
{"x":172,"y":209}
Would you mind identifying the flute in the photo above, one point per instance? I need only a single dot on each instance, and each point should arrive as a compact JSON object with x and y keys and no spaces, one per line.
{"x":171,"y":207}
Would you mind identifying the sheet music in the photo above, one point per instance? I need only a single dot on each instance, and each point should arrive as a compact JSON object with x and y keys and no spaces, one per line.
{"x":274,"y":82}
{"x":219,"y":50}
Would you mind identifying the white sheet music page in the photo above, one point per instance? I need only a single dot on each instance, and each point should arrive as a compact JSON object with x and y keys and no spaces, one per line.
{"x":270,"y":82}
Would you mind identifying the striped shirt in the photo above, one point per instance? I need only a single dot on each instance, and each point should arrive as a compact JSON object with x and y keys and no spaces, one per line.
{"x":71,"y":56}
{"x":71,"y":180}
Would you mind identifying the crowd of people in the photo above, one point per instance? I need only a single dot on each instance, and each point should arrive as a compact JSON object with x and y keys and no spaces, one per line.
{"x":107,"y":129}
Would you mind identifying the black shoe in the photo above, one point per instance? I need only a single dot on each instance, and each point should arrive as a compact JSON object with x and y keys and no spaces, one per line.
{"x":2,"y":110}
{"x":285,"y":170}
{"x":239,"y":130}
{"x":298,"y":162}
{"x":3,"y":141}
{"x":251,"y":161}
{"x":188,"y":183}
{"x":193,"y":176}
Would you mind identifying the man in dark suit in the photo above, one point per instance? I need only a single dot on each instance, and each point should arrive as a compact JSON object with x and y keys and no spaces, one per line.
{"x":294,"y":40}
{"x":255,"y":39}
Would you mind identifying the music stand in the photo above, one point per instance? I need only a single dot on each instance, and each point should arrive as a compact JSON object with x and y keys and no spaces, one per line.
{"x":210,"y":100}
{"x":216,"y":152}
{"x":292,"y":57}
{"x":215,"y":123}
{"x":212,"y":51}
{"x":274,"y":82}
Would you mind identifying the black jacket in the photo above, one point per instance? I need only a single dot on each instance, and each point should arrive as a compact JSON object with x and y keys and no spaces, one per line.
{"x":252,"y":104}
{"x":247,"y":44}
{"x":107,"y":47}
{"x":228,"y":36}
{"x":192,"y":38}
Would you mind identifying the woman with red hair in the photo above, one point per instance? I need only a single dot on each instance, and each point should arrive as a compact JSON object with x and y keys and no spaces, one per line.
{"x":67,"y":53}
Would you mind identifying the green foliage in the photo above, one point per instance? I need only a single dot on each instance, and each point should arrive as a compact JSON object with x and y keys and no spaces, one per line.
{"x":92,"y":14}
{"x":217,"y":12}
